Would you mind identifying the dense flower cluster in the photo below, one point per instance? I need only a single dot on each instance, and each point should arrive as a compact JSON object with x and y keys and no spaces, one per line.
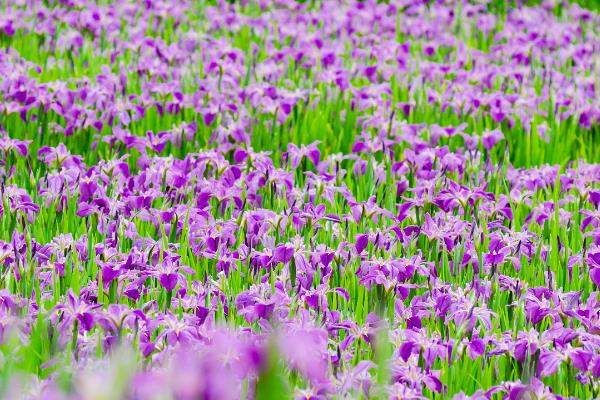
{"x":277,"y":199}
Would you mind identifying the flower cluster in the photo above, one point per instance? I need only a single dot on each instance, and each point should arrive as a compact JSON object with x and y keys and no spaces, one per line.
{"x":311,"y":200}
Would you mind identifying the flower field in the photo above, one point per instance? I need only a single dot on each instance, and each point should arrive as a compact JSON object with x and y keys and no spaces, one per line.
{"x":276,"y":199}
